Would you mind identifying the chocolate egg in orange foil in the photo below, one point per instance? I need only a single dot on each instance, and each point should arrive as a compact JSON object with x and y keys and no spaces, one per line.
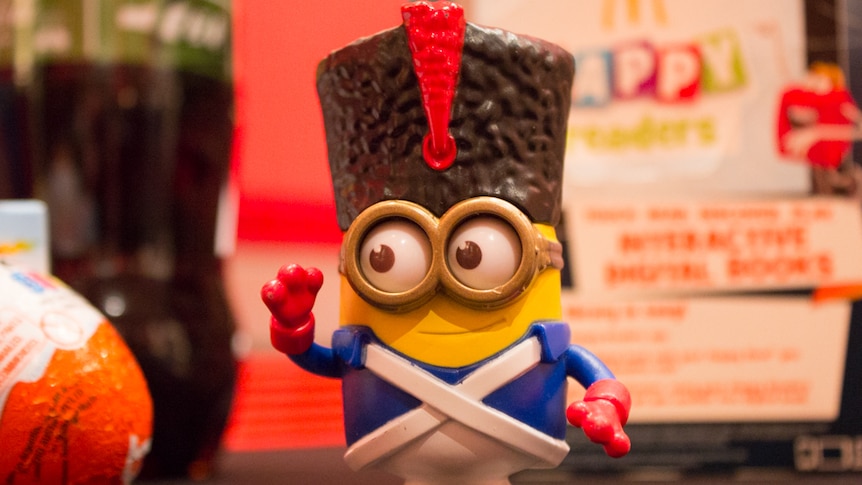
{"x":74,"y":405}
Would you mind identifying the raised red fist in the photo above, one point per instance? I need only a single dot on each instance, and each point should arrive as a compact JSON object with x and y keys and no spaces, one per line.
{"x":290,"y":298}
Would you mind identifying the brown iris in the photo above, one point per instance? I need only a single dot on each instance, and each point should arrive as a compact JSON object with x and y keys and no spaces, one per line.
{"x":382,"y":258}
{"x":469,"y":255}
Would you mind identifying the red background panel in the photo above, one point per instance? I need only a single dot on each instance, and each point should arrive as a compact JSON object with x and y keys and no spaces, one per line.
{"x":280,"y":406}
{"x":282,"y":171}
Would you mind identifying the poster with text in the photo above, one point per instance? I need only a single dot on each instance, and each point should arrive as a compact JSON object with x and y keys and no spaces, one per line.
{"x":671,"y":94}
{"x":685,"y":246}
{"x":721,"y":360}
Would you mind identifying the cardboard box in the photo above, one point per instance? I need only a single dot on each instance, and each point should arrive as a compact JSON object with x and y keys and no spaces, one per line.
{"x":24,"y":234}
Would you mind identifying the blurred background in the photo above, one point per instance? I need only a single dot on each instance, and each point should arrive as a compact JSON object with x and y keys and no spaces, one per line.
{"x":179,"y":147}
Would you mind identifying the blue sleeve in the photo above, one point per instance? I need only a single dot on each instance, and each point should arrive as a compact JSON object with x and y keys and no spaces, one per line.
{"x":319,"y":360}
{"x":585,"y":367}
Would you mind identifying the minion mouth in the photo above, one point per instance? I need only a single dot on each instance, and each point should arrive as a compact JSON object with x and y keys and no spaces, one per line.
{"x":461,"y":331}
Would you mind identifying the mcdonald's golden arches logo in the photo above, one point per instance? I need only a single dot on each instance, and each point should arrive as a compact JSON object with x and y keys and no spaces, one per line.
{"x":634,"y":11}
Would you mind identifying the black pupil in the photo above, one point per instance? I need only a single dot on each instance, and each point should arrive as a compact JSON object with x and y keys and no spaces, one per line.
{"x":469,"y":255}
{"x":382,"y":258}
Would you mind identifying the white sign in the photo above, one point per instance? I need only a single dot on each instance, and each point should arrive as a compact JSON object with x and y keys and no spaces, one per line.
{"x":677,"y":247}
{"x":722,"y":359}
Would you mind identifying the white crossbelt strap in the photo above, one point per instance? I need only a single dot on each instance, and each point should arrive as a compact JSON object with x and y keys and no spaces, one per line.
{"x":460,"y":402}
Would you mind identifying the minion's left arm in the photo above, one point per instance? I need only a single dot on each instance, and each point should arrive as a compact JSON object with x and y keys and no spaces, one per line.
{"x":605,"y":408}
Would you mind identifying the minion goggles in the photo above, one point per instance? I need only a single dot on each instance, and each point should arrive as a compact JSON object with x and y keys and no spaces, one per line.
{"x":537,"y":253}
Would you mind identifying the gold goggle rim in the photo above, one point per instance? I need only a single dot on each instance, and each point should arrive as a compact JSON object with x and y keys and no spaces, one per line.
{"x":537,"y":253}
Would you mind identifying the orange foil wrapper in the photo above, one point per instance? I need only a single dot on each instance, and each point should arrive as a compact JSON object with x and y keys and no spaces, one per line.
{"x":74,"y":405}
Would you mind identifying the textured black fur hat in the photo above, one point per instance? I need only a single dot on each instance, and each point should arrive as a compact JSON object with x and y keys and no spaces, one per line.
{"x":508,"y":120}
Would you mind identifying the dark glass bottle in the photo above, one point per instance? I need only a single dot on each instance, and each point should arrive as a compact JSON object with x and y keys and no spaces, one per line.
{"x":133,"y":127}
{"x":14,"y":163}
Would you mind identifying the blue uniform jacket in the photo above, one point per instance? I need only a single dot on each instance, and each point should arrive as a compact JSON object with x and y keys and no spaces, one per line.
{"x":537,"y":398}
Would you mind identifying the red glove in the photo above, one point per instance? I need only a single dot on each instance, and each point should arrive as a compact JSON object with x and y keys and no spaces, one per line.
{"x":602,"y":415}
{"x":289,"y":298}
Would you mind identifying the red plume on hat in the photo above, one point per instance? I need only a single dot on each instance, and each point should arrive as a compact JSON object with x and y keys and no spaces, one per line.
{"x":435,"y":35}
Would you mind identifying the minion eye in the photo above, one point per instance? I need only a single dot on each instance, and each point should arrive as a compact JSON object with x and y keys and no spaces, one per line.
{"x":395,"y":256}
{"x":484,"y":252}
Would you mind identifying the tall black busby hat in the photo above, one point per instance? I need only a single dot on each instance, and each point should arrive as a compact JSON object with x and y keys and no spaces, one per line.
{"x":507,"y":109}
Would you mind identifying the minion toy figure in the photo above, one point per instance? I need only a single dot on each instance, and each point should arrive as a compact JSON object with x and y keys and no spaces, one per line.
{"x":446,"y":144}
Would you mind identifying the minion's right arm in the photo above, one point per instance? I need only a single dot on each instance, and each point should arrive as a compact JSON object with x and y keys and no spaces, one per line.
{"x":290,"y":297}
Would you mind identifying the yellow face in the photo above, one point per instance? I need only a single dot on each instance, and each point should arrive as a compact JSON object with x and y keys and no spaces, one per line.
{"x":445,"y":332}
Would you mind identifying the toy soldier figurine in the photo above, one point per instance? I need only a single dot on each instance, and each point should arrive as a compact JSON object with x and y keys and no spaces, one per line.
{"x":446,"y":145}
